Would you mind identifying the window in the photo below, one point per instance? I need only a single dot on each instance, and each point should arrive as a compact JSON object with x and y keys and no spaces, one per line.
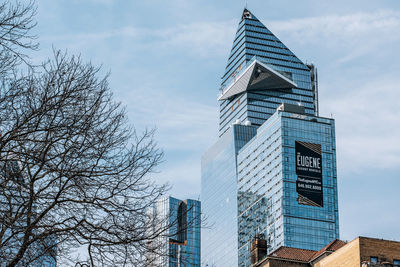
{"x":396,"y":262}
{"x":182,"y":222}
{"x":374,"y":259}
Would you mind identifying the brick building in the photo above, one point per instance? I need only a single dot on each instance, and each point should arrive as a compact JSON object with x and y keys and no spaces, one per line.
{"x":364,"y":252}
{"x":361,"y":252}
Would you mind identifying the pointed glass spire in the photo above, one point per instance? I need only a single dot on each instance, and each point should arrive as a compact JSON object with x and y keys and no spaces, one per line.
{"x":253,"y":39}
{"x":247,"y":96}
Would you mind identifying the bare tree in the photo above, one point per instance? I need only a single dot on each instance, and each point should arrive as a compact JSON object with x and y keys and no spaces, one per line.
{"x":85,"y":171}
{"x":73,"y":173}
{"x":16,"y":23}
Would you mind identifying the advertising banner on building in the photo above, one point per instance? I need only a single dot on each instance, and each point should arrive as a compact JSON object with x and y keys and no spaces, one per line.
{"x":309,"y":174}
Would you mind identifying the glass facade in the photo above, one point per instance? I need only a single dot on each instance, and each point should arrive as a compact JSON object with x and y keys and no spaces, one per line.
{"x":272,"y":171}
{"x":180,"y":246}
{"x":219,"y":197}
{"x":254,"y":41}
{"x":267,"y":197}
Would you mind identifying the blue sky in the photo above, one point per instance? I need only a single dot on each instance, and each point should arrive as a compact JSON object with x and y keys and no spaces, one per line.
{"x":166,"y":59}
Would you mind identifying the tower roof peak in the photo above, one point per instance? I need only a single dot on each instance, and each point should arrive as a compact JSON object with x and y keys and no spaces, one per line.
{"x":246,"y":14}
{"x":253,"y":38}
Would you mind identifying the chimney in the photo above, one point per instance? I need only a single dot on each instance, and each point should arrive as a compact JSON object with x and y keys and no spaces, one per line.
{"x":258,"y":248}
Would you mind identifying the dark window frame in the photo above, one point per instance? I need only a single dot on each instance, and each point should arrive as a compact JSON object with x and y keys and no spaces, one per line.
{"x":373,"y":259}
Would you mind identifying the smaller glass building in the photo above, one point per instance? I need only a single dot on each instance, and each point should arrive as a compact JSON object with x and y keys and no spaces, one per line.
{"x":180,"y":244}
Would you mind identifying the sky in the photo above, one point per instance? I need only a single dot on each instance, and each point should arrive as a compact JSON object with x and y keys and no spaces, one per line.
{"x":166,"y":59}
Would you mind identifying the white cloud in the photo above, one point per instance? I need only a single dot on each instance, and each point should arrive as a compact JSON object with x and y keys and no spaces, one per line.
{"x":345,"y":27}
{"x":184,"y":177}
{"x":205,"y":39}
{"x":350,"y":36}
{"x":362,"y":31}
{"x":368,"y":125}
{"x":183,"y":123}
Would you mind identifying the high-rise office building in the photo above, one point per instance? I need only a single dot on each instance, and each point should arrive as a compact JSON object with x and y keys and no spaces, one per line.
{"x":273,"y":170}
{"x":179,"y":245}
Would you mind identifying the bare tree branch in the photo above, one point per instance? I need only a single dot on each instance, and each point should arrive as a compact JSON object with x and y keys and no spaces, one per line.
{"x":16,"y":23}
{"x":85,"y":170}
{"x":73,"y":172}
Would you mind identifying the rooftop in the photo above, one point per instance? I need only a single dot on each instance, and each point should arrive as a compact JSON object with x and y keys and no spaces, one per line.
{"x":304,"y":255}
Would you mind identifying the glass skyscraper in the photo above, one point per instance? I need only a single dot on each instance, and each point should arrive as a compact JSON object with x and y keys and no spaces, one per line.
{"x":179,"y":246}
{"x":273,"y":169}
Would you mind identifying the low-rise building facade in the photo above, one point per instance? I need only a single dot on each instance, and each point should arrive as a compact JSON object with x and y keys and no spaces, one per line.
{"x":364,"y":252}
{"x":360,"y":252}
